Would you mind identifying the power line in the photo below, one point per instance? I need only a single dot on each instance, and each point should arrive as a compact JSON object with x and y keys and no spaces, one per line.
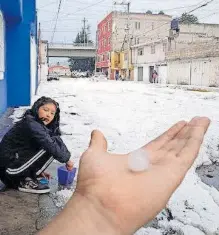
{"x":61,"y":31}
{"x":51,"y":3}
{"x":203,"y":5}
{"x":57,"y":16}
{"x":81,"y":9}
{"x":205,"y":17}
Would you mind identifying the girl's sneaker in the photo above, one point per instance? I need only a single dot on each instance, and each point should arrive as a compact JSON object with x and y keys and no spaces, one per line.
{"x":2,"y":186}
{"x":31,"y":186}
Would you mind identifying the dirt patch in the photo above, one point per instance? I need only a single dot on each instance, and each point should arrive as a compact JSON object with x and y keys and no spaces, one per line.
{"x":18,"y":213}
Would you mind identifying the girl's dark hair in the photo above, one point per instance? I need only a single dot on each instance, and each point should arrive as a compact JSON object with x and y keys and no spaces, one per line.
{"x":54,"y":125}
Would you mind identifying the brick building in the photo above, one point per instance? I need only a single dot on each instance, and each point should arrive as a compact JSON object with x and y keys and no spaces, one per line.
{"x":104,"y":34}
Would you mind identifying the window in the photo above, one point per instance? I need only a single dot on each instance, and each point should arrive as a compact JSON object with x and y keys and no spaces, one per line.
{"x":126,"y":56}
{"x":2,"y":47}
{"x":109,"y":41}
{"x":141,"y":51}
{"x":137,"y":40}
{"x":137,"y":25}
{"x":153,"y":49}
{"x":164,"y":47}
{"x":109,"y":26}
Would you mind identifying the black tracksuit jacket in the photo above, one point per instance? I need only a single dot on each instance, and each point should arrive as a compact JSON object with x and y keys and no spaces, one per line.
{"x":26,"y":138}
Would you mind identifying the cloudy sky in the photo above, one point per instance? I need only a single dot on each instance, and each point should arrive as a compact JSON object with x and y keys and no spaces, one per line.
{"x":72,"y":13}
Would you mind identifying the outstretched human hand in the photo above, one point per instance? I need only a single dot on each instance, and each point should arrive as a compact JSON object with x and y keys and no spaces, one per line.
{"x":111,"y":199}
{"x":133,"y":199}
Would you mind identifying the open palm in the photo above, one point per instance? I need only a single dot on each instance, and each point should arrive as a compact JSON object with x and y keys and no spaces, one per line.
{"x":133,"y":199}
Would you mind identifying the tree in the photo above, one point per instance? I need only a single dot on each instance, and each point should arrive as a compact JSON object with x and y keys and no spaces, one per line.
{"x":161,"y":13}
{"x":188,"y":19}
{"x":149,"y":12}
{"x":86,"y":64}
{"x":83,"y":36}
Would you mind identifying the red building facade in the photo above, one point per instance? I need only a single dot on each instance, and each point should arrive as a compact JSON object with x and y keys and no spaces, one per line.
{"x":104,"y":36}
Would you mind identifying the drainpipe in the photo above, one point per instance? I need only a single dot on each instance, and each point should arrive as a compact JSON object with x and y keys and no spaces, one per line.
{"x":191,"y":73}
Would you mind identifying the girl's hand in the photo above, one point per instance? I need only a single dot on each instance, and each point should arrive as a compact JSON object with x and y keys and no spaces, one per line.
{"x":46,"y":175}
{"x":69,"y":165}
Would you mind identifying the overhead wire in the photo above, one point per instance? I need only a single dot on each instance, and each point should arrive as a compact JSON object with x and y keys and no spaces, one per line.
{"x":56,"y":21}
{"x":144,"y":34}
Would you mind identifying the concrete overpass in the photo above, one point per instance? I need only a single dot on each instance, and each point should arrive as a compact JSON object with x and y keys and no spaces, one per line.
{"x":71,"y":50}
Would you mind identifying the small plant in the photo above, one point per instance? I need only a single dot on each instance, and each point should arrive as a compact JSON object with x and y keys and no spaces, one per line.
{"x":213,"y":85}
{"x":183,"y":83}
{"x":197,"y":89}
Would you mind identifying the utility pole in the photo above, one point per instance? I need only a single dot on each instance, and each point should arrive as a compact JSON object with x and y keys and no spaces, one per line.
{"x":127,"y":29}
{"x":96,"y":51}
{"x":39,"y":51}
{"x":84,"y":21}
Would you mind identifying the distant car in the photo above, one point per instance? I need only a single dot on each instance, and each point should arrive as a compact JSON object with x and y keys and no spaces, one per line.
{"x":98,"y":77}
{"x":53,"y":76}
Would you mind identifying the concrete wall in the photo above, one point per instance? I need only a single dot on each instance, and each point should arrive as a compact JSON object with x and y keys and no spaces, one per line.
{"x":200,"y":72}
{"x":147,"y":24}
{"x":43,"y":60}
{"x":43,"y":51}
{"x":148,"y":57}
{"x":77,"y":53}
{"x":198,"y":50}
{"x":43,"y":72}
{"x":156,"y":60}
{"x":145,"y":73}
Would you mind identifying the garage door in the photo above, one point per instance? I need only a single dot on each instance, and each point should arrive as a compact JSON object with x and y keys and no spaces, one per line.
{"x":162,"y":74}
{"x":2,"y":47}
{"x":140,"y":74}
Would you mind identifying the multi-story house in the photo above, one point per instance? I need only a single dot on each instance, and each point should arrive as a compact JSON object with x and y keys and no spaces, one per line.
{"x":104,"y":46}
{"x":112,"y":52}
{"x":151,"y":54}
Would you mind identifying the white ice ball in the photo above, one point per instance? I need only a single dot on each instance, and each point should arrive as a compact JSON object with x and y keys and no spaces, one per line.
{"x":138,"y":160}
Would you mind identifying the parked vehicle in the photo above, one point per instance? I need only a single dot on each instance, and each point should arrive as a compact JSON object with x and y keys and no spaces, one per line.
{"x":53,"y":76}
{"x":99,"y":76}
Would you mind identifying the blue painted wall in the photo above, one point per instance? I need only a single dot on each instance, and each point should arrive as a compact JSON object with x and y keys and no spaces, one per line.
{"x":3,"y":96}
{"x":18,"y":57}
{"x":3,"y":87}
{"x":21,"y":24}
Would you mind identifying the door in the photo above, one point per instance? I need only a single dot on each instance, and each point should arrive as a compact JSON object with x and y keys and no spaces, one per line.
{"x":151,"y":70}
{"x":140,"y":74}
{"x":162,"y":74}
{"x":200,"y":73}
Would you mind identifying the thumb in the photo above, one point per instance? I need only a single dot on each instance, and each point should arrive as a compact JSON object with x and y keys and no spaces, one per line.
{"x":98,"y":141}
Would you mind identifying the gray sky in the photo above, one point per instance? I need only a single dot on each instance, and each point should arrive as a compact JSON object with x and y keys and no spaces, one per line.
{"x":73,"y":11}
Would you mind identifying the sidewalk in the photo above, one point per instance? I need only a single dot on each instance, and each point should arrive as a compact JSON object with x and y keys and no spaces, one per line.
{"x":24,"y":213}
